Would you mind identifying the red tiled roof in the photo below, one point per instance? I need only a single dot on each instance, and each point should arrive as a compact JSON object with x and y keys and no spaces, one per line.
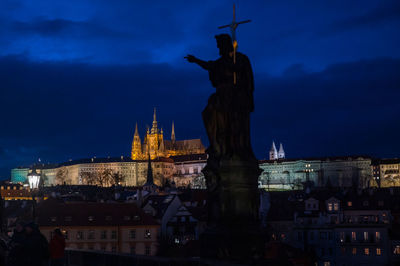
{"x":54,"y":213}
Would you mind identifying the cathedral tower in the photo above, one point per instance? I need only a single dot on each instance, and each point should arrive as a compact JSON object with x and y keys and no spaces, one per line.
{"x":173,"y":139}
{"x":136,"y":146}
{"x":273,"y":153}
{"x":281,"y":153}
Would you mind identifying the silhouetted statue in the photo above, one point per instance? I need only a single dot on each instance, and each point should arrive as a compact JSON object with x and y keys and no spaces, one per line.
{"x":232,"y":170}
{"x":227,"y":115}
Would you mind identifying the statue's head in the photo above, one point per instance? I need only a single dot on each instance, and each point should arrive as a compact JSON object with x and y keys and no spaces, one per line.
{"x":224,"y":44}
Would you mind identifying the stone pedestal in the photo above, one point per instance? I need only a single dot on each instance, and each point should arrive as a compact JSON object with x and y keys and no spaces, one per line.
{"x":233,"y":232}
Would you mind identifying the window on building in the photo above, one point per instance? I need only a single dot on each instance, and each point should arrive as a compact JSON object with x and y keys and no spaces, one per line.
{"x":147,"y":251}
{"x":132,"y":234}
{"x":365,"y":236}
{"x":330,"y":206}
{"x":113,"y":248}
{"x":283,"y":237}
{"x":378,"y":236}
{"x":108,"y":218}
{"x":79,"y":235}
{"x":380,"y":203}
{"x":343,"y":250}
{"x":396,"y":250}
{"x":68,"y":218}
{"x":300,"y":236}
{"x":353,"y":236}
{"x":133,"y":250}
{"x":327,"y":263}
{"x":342,"y":237}
{"x":91,"y":218}
{"x":365,"y":203}
{"x":65,"y":233}
{"x":322,"y":235}
{"x":349,"y":203}
{"x":103,"y":234}
{"x":354,"y":251}
{"x":91,"y":234}
{"x":378,"y":252}
{"x":366,"y":251}
{"x":330,"y":235}
{"x":53,"y":219}
{"x":336,"y":206}
{"x":147,"y":233}
{"x":113,"y":234}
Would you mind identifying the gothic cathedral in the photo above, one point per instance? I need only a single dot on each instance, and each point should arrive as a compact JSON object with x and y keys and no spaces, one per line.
{"x":154,"y":144}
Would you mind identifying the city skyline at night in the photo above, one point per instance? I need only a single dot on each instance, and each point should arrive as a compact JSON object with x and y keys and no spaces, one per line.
{"x":76,"y":77}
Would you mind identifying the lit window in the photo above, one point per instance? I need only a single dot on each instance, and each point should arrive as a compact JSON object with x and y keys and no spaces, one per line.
{"x":366,"y":251}
{"x":378,"y":236}
{"x":354,"y":251}
{"x":353,"y":236}
{"x":397,"y":250}
{"x":91,"y":218}
{"x":53,"y":219}
{"x":327,"y":263}
{"x":336,"y":206}
{"x":330,"y":207}
{"x":365,"y":236}
{"x":378,"y":252}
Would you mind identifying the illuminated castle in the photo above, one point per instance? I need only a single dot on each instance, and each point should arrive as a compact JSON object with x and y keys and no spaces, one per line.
{"x":155,"y":145}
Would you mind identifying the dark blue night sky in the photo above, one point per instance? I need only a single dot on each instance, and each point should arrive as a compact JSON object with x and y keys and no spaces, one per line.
{"x":76,"y":75}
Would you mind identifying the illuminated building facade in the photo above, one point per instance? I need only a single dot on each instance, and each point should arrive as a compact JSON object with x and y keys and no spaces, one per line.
{"x":329,"y":171}
{"x":386,"y":172}
{"x":19,"y":174}
{"x":156,"y":146}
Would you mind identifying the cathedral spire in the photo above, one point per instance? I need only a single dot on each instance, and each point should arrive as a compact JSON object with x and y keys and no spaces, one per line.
{"x":149,"y":185}
{"x":136,"y":151}
{"x":136,"y":130}
{"x":154,"y":129}
{"x":281,"y":153}
{"x":173,"y":132}
{"x":149,"y":180}
{"x":273,"y":153}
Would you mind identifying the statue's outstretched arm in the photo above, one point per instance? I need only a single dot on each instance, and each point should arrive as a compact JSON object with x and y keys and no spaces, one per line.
{"x":193,"y":59}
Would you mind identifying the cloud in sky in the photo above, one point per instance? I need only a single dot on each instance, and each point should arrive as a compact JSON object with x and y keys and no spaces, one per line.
{"x":59,"y":111}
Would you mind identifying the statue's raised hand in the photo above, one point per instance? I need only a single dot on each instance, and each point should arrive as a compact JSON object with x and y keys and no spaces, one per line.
{"x":190,"y":58}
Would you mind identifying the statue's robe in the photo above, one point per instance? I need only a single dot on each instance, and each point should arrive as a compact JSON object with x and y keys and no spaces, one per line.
{"x":227,"y":115}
